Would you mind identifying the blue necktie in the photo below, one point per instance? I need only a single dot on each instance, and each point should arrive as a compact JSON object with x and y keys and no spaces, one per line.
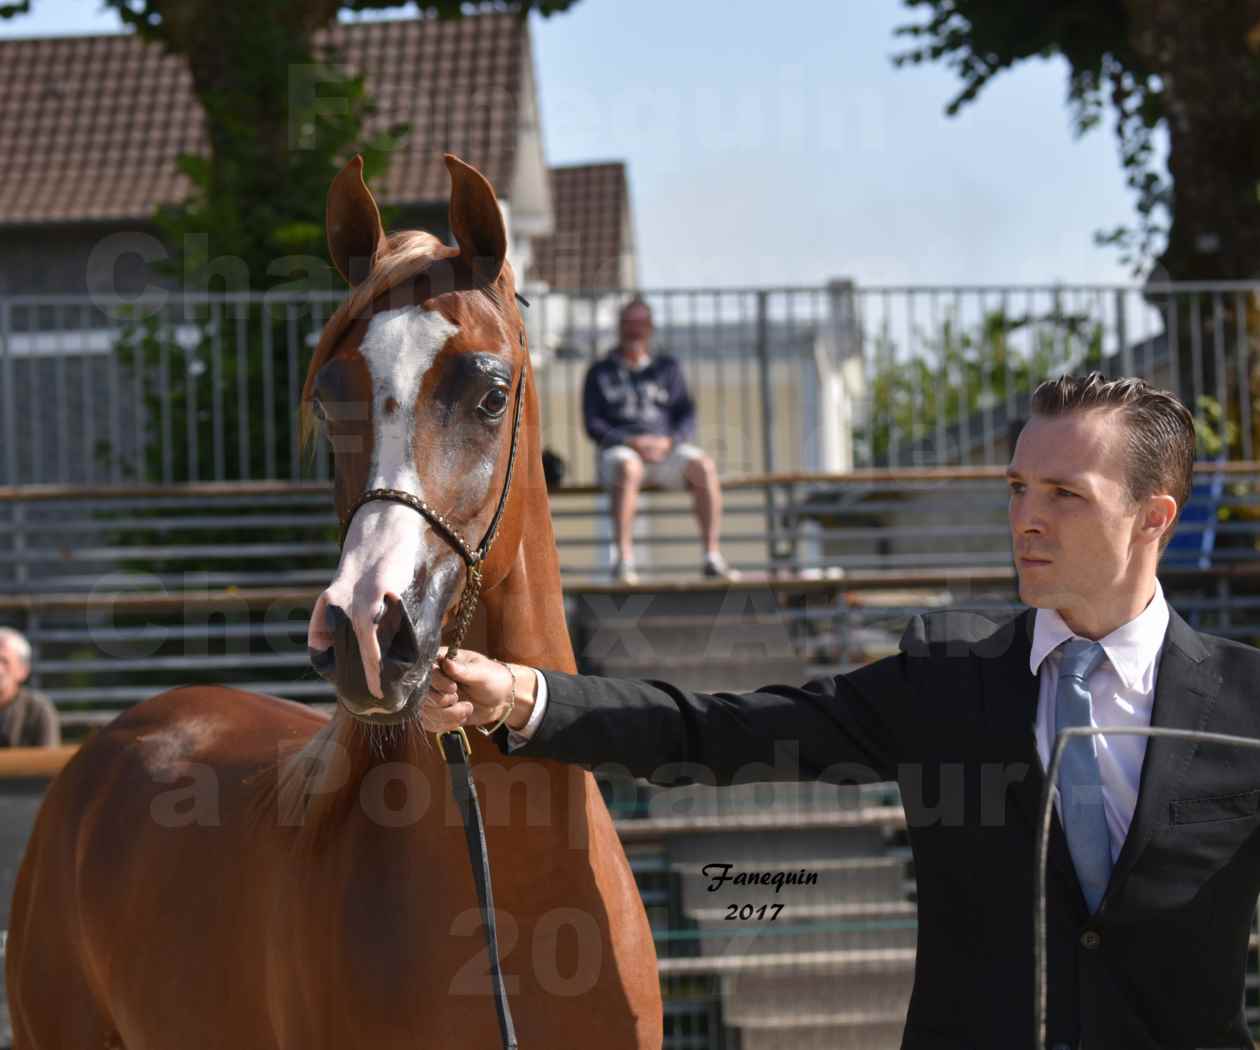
{"x":1080,"y":782}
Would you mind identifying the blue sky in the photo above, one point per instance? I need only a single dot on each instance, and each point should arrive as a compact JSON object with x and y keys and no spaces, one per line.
{"x":776,"y":144}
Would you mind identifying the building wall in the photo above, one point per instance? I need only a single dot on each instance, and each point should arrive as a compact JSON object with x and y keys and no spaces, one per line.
{"x":76,"y":259}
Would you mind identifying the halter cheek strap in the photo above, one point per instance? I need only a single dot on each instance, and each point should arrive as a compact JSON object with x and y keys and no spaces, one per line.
{"x":474,"y":559}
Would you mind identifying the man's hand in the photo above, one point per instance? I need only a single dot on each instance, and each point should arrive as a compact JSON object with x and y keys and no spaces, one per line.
{"x":653,"y":448}
{"x":471,"y":690}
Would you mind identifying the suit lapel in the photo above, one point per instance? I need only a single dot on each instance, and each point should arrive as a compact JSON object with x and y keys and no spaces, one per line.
{"x":1011,"y":696}
{"x":1185,"y":694}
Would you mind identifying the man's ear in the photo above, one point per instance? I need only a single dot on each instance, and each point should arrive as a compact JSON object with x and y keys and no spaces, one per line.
{"x":352,"y":223}
{"x":1159,"y":514}
{"x":476,"y":222}
{"x":24,"y":673}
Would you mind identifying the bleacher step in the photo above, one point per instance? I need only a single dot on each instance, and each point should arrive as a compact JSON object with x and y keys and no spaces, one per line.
{"x":870,"y":1035}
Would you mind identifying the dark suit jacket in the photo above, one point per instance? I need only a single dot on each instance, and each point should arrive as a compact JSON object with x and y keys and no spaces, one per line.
{"x":951,"y":717}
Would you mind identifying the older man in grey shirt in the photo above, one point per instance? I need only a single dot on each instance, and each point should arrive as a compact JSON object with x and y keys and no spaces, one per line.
{"x":27,"y":718}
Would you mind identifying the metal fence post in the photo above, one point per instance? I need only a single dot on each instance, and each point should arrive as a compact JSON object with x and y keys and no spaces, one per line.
{"x":1122,"y":334}
{"x":21,"y":580}
{"x":767,"y":392}
{"x":767,"y":422}
{"x":6,"y":397}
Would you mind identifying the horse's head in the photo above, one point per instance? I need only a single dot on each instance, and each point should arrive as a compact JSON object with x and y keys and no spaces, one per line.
{"x":418,"y":381}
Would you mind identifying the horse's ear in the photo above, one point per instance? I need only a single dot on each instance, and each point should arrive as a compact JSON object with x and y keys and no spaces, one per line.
{"x":352,"y":223}
{"x":476,"y":221}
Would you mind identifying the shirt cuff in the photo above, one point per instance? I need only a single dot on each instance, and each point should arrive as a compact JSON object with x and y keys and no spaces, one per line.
{"x":520,"y":737}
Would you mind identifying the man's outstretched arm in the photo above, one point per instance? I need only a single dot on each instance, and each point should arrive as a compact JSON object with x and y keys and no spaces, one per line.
{"x":834,"y":728}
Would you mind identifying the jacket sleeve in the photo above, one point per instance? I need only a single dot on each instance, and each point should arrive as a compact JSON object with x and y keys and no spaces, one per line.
{"x":843,"y":729}
{"x":682,"y":409}
{"x":595,"y":413}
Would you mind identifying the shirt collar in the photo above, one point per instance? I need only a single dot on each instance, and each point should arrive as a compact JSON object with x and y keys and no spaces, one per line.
{"x":621,"y":360}
{"x":1132,"y":648}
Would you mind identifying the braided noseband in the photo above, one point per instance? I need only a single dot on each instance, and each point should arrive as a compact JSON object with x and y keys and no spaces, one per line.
{"x":473,"y":558}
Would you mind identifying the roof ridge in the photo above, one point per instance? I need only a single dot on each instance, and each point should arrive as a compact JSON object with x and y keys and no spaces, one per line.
{"x":574,"y":165}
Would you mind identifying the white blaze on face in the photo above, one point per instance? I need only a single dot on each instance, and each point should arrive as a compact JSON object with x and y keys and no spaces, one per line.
{"x":387,"y":542}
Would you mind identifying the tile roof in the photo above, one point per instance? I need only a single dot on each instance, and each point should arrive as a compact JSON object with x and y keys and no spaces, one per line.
{"x":591,"y":205}
{"x":90,"y":126}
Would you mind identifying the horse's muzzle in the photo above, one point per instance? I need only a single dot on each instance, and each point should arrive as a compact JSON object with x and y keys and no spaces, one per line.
{"x":342,"y":665}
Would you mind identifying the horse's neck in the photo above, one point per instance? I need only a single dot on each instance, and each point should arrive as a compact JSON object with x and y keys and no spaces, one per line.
{"x":523,"y":619}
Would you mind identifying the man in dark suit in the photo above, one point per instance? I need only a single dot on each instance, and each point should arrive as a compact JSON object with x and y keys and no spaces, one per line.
{"x":1154,"y":866}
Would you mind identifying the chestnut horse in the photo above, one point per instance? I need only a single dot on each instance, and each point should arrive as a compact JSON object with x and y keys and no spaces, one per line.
{"x":219,"y":869}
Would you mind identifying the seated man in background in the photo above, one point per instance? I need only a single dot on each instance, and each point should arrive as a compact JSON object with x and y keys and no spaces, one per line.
{"x":27,"y":718}
{"x":637,"y":409}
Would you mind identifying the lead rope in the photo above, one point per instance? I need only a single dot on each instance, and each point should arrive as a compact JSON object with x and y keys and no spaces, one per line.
{"x":456,"y":750}
{"x":455,"y":747}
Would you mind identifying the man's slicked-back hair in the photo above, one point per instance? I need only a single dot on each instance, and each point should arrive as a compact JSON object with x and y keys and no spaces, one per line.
{"x":1160,"y":431}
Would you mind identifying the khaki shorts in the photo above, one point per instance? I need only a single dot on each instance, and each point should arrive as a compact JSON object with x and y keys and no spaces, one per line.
{"x":669,"y":473}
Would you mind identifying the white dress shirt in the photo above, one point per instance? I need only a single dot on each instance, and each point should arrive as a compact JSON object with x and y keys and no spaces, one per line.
{"x":517,"y":737}
{"x":1123,"y":692}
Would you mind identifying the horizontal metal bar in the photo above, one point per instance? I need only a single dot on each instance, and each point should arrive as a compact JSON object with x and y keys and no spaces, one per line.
{"x":171,"y":298}
{"x":245,"y":489}
{"x":230,"y":662}
{"x":173,"y":552}
{"x":254,"y":521}
{"x":177,"y":586}
{"x":164,"y":632}
{"x":49,"y":510}
{"x":119,"y":694}
{"x":904,"y":478}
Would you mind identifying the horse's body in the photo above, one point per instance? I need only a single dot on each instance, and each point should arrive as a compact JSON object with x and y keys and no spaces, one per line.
{"x":218,"y":869}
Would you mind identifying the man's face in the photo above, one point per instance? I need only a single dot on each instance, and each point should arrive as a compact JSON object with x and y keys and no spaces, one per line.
{"x":13,"y":670}
{"x":1075,"y":534}
{"x":636,"y":325}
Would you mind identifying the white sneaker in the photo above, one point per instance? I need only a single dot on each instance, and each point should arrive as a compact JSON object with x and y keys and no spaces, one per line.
{"x":715,"y":567}
{"x":624,"y":572}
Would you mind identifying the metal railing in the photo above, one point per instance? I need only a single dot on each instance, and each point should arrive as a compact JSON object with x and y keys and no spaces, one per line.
{"x":128,"y":590}
{"x":195,"y":387}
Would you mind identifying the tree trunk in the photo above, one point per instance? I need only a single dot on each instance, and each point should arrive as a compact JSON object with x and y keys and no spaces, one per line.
{"x":243,"y":56}
{"x":1208,"y":55}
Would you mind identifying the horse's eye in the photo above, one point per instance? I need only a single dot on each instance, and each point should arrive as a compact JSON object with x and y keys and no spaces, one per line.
{"x":494,"y":403}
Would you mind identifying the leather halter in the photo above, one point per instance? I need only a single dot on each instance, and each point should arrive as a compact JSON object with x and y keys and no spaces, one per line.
{"x":474,"y":558}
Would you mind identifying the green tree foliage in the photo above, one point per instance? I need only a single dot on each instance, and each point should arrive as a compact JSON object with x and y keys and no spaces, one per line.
{"x":958,"y":374}
{"x":1190,"y":69}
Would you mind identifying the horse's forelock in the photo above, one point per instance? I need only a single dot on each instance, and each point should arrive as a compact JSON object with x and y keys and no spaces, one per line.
{"x":405,"y":256}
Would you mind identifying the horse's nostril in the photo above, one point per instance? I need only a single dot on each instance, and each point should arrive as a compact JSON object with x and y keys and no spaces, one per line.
{"x":323,"y":660}
{"x":396,"y":636}
{"x":335,"y":616}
